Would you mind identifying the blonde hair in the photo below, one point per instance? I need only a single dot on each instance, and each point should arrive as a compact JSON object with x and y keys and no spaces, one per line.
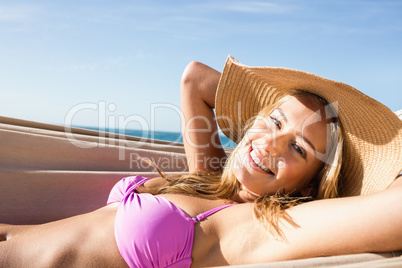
{"x":326,"y":180}
{"x":268,"y":209}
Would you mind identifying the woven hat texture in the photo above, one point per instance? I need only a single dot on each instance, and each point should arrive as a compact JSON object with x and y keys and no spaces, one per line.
{"x":372,"y":132}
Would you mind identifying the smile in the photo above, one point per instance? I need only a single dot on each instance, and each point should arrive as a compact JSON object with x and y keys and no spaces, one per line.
{"x":258,"y":162}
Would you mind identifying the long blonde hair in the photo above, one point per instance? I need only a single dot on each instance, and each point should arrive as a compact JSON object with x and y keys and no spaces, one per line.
{"x":268,"y":209}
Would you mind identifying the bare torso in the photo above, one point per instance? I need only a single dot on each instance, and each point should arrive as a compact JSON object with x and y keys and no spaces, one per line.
{"x":230,"y":236}
{"x":88,"y":240}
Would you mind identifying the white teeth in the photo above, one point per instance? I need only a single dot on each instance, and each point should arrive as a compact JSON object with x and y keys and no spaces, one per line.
{"x":258,"y":162}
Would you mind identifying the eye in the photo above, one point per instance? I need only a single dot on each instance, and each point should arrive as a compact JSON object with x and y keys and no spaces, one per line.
{"x":300,"y":150}
{"x":276,"y":122}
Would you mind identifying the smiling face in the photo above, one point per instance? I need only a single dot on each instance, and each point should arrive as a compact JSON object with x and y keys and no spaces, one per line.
{"x":282,"y":150}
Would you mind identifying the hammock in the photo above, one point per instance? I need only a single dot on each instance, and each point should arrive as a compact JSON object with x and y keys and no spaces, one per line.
{"x":49,"y":172}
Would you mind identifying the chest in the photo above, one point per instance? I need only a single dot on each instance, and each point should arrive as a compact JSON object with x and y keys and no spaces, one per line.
{"x":236,"y":238}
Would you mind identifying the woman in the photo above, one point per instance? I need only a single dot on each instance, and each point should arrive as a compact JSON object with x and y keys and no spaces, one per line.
{"x":204,"y":152}
{"x":232,"y":236}
{"x":243,"y":91}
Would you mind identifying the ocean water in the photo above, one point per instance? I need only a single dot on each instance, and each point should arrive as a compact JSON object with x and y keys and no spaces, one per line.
{"x":160,"y":135}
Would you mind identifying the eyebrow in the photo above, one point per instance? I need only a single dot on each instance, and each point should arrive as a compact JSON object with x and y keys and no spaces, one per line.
{"x":282,"y":114}
{"x":298,"y":134}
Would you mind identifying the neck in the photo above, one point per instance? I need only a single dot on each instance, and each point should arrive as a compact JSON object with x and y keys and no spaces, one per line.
{"x":246,"y":196}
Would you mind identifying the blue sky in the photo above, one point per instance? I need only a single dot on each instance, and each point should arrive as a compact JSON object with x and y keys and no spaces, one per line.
{"x":97,"y":62}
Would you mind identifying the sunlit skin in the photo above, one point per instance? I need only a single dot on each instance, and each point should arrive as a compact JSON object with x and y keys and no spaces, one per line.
{"x":288,"y":142}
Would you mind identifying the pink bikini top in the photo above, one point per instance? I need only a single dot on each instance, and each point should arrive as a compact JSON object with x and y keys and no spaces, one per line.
{"x":150,"y":230}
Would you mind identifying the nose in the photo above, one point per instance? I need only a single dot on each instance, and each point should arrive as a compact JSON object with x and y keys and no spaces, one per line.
{"x":273,"y":143}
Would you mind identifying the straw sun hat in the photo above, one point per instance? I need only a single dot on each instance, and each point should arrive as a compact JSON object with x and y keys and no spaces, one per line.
{"x":372,"y":132}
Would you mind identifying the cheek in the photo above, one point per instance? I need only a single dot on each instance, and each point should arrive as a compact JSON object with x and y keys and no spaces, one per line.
{"x":240,"y":167}
{"x":240,"y":172}
{"x":294,"y":174}
{"x":258,"y":130}
{"x":238,"y":162}
{"x":241,"y":158}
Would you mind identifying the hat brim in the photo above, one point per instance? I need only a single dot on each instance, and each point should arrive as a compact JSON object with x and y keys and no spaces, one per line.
{"x":373,"y":133}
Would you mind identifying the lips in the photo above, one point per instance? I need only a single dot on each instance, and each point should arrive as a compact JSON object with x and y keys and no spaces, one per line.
{"x":258,"y":163}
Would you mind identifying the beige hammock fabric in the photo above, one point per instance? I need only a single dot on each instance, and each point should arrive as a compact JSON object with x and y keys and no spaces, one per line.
{"x":74,"y":169}
{"x":48,"y":172}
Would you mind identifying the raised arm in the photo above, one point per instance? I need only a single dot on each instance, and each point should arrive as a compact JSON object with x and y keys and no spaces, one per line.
{"x":371,"y":223}
{"x":200,"y":132}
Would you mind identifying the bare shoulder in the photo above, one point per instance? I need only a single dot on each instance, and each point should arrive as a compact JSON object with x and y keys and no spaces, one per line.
{"x":155,"y":182}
